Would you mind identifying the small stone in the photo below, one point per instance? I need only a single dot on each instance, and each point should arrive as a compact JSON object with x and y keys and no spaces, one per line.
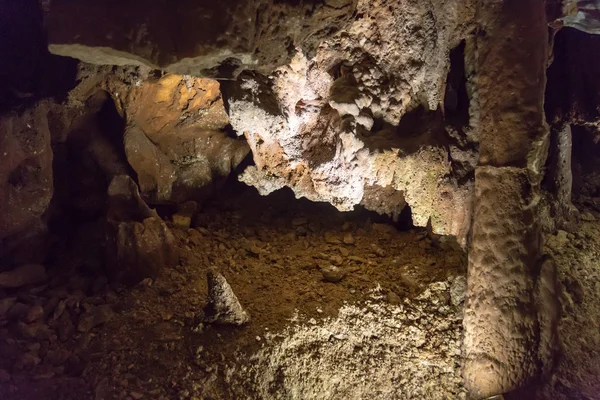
{"x":183,"y":218}
{"x":588,"y":216}
{"x":458,"y":288}
{"x":393,"y":298}
{"x":223,"y":305}
{"x":344,"y":252}
{"x":349,"y":239}
{"x":136,"y":395}
{"x":299,"y":221}
{"x":358,"y":259}
{"x":34,"y":313}
{"x":24,"y":275}
{"x":6,"y":304}
{"x":336,"y":259}
{"x":378,"y":250}
{"x":331,"y":238}
{"x":94,"y":318}
{"x":166,"y":315}
{"x":38,"y":330}
{"x":332,"y":274}
{"x":562,"y":238}
{"x":18,"y":311}
{"x":27,"y":361}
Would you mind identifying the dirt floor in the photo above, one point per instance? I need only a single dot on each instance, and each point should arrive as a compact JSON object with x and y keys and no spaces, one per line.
{"x":386,"y":324}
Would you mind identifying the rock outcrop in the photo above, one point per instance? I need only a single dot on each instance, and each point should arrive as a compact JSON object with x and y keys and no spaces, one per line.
{"x":197,"y":38}
{"x":506,"y":340}
{"x":139,"y":244}
{"x":175,"y":136}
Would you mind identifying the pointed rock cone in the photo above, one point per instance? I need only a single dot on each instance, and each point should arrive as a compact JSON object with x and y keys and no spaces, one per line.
{"x":223,"y":305}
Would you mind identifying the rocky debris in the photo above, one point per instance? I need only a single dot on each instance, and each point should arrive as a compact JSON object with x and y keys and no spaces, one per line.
{"x":97,"y":316}
{"x":349,"y":239}
{"x":396,"y":351}
{"x":25,"y":168}
{"x":332,"y":274}
{"x":223,"y":306}
{"x":202,"y":41}
{"x":458,"y":289}
{"x":183,"y":218}
{"x":28,"y":274}
{"x":139,"y":244}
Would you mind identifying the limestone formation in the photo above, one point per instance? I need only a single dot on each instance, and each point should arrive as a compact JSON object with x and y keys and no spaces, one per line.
{"x":198,"y":38}
{"x":223,"y":306}
{"x":505,"y":327}
{"x":139,"y":244}
{"x":174,"y":136}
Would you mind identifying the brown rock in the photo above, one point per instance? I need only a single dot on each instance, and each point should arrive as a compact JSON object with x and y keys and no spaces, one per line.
{"x":378,"y":250}
{"x":6,"y":304}
{"x":349,"y":239}
{"x":24,"y":275}
{"x":139,"y":243}
{"x":202,"y":41}
{"x":34,"y":313}
{"x":332,"y":274}
{"x":223,"y":305}
{"x":97,"y":316}
{"x":26,"y":185}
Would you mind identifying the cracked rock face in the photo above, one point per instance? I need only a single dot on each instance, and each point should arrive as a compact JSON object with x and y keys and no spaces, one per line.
{"x":197,"y":38}
{"x":174,"y":136}
{"x":351,"y":125}
{"x":26,"y":186}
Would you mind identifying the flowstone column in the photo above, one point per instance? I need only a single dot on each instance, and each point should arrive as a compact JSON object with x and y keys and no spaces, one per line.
{"x":502,"y":328}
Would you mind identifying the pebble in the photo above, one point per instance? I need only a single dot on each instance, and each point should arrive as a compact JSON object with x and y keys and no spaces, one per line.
{"x":349,"y":239}
{"x":136,"y":395}
{"x":27,"y":274}
{"x":344,"y":252}
{"x":34,"y":313}
{"x":358,"y":259}
{"x":378,"y":250}
{"x":332,"y":274}
{"x":331,"y":238}
{"x":588,"y":216}
{"x":458,"y":288}
{"x":6,"y":304}
{"x":336,"y":260}
{"x":92,"y":319}
{"x":299,"y":221}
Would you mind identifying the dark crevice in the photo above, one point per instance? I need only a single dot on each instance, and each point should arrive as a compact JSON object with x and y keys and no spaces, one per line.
{"x":456,"y":98}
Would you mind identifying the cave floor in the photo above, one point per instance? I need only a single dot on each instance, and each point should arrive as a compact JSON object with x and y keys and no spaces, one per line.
{"x":391,"y":328}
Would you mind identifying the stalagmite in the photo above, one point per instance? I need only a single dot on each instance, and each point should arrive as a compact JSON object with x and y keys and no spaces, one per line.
{"x":502,"y":328}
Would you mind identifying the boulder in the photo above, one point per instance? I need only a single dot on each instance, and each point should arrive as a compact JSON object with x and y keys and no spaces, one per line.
{"x":139,"y":244}
{"x":223,"y":306}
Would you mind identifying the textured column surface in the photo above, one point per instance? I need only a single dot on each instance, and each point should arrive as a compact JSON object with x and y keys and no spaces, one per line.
{"x":502,"y":332}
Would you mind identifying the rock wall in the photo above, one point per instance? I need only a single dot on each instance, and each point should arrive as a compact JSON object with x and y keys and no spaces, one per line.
{"x":362,"y":121}
{"x":502,"y":315}
{"x":196,"y":38}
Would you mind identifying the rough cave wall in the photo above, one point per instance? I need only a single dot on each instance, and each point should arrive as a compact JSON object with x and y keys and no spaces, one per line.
{"x":349,"y":103}
{"x":502,"y":326}
{"x":349,"y":118}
